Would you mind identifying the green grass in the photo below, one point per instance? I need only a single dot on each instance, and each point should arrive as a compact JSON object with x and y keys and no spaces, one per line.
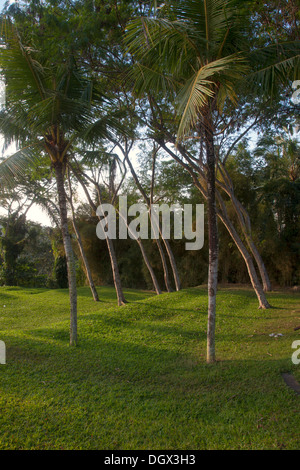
{"x":138,"y":378}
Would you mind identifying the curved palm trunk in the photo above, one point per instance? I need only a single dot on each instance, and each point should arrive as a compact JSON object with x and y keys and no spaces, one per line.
{"x":81,"y":249}
{"x":267,"y":286}
{"x":113,"y":261}
{"x":145,"y":257}
{"x":168,"y":248}
{"x":246,"y":226}
{"x":147,"y":263}
{"x":173,"y":264}
{"x":116,"y":274}
{"x":244,"y":221}
{"x":156,"y":225}
{"x":59,"y":173}
{"x":263,"y":303}
{"x":85,"y":262}
{"x":110,"y":246}
{"x":165,"y":266}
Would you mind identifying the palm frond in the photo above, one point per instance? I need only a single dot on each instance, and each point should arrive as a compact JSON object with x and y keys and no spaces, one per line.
{"x":210,"y":17}
{"x":105,"y":127}
{"x":17,"y":164}
{"x":218,"y":75}
{"x":19,"y":65}
{"x":162,"y":42}
{"x":273,"y":66}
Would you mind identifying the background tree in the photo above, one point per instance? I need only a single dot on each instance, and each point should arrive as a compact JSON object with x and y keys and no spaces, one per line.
{"x":200,"y":46}
{"x":48,"y":107}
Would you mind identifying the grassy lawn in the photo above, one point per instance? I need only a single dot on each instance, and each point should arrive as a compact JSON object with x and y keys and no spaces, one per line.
{"x":138,"y":378}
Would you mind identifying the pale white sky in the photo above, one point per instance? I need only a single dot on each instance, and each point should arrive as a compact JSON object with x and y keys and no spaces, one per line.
{"x":35,"y":213}
{"x":2,"y":2}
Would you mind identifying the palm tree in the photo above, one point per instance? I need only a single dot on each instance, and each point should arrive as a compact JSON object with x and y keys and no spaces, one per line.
{"x":48,"y":108}
{"x":197,"y":49}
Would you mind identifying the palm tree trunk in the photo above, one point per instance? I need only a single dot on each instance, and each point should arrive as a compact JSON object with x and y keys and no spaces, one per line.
{"x":259,"y":261}
{"x":263,"y":303}
{"x":245,"y":223}
{"x":81,"y":249}
{"x":156,"y":227}
{"x":149,"y":201}
{"x":113,"y":260}
{"x":110,"y":246}
{"x":165,"y":266}
{"x":267,"y":286}
{"x":145,"y":257}
{"x":85,"y":262}
{"x":147,"y":263}
{"x":213,"y":244}
{"x":59,"y":173}
{"x":116,"y":274}
{"x":173,"y":264}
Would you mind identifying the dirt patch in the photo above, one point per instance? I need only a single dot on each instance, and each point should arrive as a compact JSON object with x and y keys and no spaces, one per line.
{"x":291,"y":382}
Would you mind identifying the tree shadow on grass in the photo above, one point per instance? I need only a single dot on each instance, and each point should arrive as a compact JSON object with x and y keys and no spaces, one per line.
{"x":127,"y":384}
{"x":108,"y":294}
{"x":159,"y":371}
{"x":5,"y":296}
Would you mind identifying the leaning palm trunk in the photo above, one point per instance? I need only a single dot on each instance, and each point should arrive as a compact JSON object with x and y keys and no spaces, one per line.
{"x":145,"y":257}
{"x":165,"y":241}
{"x":84,"y":258}
{"x":156,"y":227}
{"x":59,"y":173}
{"x":173,"y":264}
{"x":244,"y":221}
{"x":263,"y":303}
{"x":80,"y":246}
{"x":85,"y":263}
{"x":223,"y":216}
{"x":246,"y":227}
{"x":110,"y":246}
{"x":267,"y":286}
{"x":147,"y":263}
{"x":113,"y":260}
{"x":115,"y":271}
{"x":167,"y":245}
{"x":165,"y":266}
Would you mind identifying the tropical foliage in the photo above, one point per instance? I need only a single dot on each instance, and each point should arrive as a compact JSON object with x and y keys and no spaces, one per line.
{"x":87,"y":84}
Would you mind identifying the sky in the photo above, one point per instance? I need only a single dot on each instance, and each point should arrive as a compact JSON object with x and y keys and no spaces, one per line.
{"x":35,"y":213}
{"x":2,"y":2}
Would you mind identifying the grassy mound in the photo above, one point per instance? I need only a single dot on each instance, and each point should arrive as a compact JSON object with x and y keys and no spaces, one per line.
{"x":138,"y":378}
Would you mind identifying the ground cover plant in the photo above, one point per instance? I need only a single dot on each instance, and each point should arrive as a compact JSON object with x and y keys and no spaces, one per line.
{"x":138,"y":378}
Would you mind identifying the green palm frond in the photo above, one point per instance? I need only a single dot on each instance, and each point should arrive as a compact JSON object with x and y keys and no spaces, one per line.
{"x":201,"y":29}
{"x":19,"y":64}
{"x":105,"y":127}
{"x":16,"y":165}
{"x":145,"y":79}
{"x":194,"y":56}
{"x":201,"y":52}
{"x":13,"y":126}
{"x":50,"y":94}
{"x":53,"y":104}
{"x":219,"y":75}
{"x":210,"y":17}
{"x":163,"y":43}
{"x":273,"y":66}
